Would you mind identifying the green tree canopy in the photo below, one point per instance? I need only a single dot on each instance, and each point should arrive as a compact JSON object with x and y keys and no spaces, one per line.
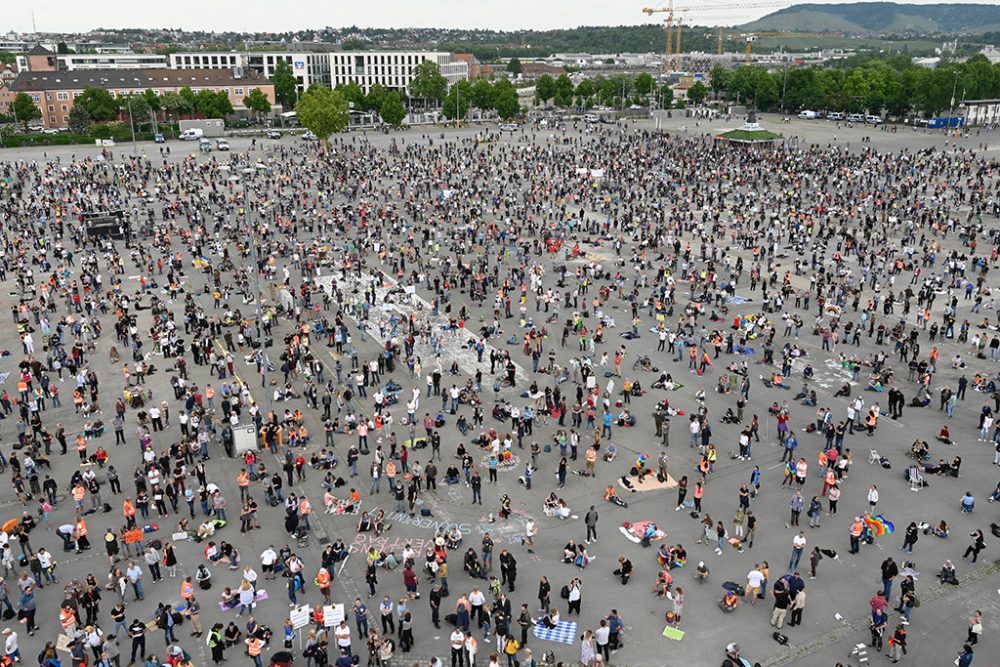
{"x":545,"y":88}
{"x":353,"y":93}
{"x":284,"y":83}
{"x":505,"y":99}
{"x":375,"y":97}
{"x":80,"y":121}
{"x":644,"y":84}
{"x":428,"y":83}
{"x":323,"y":111}
{"x":24,"y":109}
{"x":457,"y":101}
{"x":482,"y":94}
{"x":392,"y":110}
{"x":514,"y":66}
{"x":697,"y":92}
{"x":564,"y":91}
{"x":99,"y":104}
{"x":257,"y":102}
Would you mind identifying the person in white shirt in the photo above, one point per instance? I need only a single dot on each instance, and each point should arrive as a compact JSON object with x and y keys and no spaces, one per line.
{"x":10,"y":645}
{"x":343,"y":635}
{"x":755,"y":578}
{"x":267,"y":561}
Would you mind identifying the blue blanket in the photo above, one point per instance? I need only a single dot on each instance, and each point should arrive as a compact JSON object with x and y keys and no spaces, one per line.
{"x":564,"y":633}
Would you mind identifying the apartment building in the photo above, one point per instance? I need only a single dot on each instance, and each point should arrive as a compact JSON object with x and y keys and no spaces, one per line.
{"x":391,"y":69}
{"x":54,"y":91}
{"x":307,"y":67}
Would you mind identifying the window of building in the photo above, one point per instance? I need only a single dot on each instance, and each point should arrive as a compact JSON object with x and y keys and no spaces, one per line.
{"x":238,"y":92}
{"x":62,"y":96}
{"x":35,"y":98}
{"x":65,"y":108}
{"x":52,"y":120}
{"x":52,"y":107}
{"x":65,"y":119}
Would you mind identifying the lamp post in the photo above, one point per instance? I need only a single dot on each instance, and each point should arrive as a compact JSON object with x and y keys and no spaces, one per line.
{"x":258,"y":301}
{"x":131,"y":125}
{"x":951,"y":109}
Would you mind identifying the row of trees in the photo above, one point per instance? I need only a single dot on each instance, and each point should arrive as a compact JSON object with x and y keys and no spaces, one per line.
{"x":607,"y":91}
{"x":97,"y":105}
{"x":894,"y":85}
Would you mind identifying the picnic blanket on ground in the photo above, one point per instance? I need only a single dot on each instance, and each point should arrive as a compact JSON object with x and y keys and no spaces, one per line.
{"x":564,"y":632}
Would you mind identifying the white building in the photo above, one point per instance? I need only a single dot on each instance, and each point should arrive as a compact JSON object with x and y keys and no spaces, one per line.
{"x":391,"y":69}
{"x":76,"y":61}
{"x":307,"y":68}
{"x":982,"y":112}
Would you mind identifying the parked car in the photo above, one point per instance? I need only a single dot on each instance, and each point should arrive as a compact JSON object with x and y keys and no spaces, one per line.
{"x":222,"y":144}
{"x":855,"y":118}
{"x":50,"y":130}
{"x":874,"y":120}
{"x":158,"y":138}
{"x":205,"y":146}
{"x":273,"y":134}
{"x":509,"y":127}
{"x":836,"y":115}
{"x":309,"y":136}
{"x":806,"y":114}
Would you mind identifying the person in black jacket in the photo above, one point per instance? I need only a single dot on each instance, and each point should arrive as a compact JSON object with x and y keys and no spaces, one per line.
{"x":508,"y":569}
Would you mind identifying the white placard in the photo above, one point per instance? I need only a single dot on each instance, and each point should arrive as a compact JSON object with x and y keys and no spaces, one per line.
{"x":300,"y":616}
{"x":333,"y":614}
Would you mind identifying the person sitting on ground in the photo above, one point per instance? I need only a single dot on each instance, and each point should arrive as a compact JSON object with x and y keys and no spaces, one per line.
{"x":454,"y":538}
{"x":920,"y":450}
{"x":206,"y":530}
{"x":551,"y":619}
{"x":664,"y":580}
{"x":550,"y":504}
{"x":570,"y":551}
{"x":996,"y":494}
{"x":948,"y":575}
{"x":582,"y":558}
{"x":701,"y":572}
{"x":944,"y":435}
{"x":612,"y":496}
{"x":451,"y":475}
{"x":968,"y":502}
{"x":624,"y":569}
{"x":729,"y":602}
{"x":364,"y":523}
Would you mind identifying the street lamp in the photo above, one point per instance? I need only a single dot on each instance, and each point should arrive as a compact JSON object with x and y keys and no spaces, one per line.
{"x":951,"y":109}
{"x":131,"y":124}
{"x":259,"y":304}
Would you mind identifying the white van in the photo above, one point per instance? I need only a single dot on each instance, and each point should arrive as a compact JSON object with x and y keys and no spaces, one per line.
{"x":835,"y":115}
{"x":805,"y":114}
{"x":192,"y":134}
{"x":591,"y":118}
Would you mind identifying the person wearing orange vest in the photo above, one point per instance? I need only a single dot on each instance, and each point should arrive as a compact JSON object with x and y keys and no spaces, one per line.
{"x":68,"y":621}
{"x":323,"y":583}
{"x":243,"y":480}
{"x":305,"y":509}
{"x":81,"y":535}
{"x":79,"y":491}
{"x":254,"y":647}
{"x":128,"y":509}
{"x":857,"y":527}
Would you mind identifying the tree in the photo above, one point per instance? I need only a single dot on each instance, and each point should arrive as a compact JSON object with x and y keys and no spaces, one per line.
{"x":456,"y":103}
{"x":323,"y":111}
{"x":564,"y":91}
{"x":284,"y":83}
{"x":482,"y":94}
{"x":79,"y":120}
{"x":62,"y":49}
{"x":211,"y":104}
{"x":717,"y":78}
{"x":257,"y":102}
{"x":545,"y":88}
{"x":697,"y":92}
{"x":666,"y":94}
{"x":375,"y":97}
{"x":99,"y":104}
{"x":585,"y":90}
{"x":505,"y":100}
{"x":428,"y":83}
{"x":644,"y":84}
{"x":24,"y":109}
{"x":190,"y":100}
{"x":353,"y":94}
{"x":139,"y":109}
{"x":173,"y":104}
{"x":392,"y":110}
{"x":353,"y":44}
{"x":152,"y":99}
{"x":514,"y":66}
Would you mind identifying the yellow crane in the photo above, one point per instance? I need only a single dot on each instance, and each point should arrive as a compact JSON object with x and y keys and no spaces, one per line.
{"x":669,"y":11}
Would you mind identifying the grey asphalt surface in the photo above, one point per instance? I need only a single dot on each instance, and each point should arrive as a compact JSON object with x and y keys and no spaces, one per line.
{"x":842,"y":587}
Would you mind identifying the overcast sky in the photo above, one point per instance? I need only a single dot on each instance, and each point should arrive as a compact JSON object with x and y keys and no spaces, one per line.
{"x":267,"y":15}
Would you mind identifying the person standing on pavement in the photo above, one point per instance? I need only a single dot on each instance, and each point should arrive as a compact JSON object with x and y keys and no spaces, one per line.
{"x":590,"y":519}
{"x":889,"y":573}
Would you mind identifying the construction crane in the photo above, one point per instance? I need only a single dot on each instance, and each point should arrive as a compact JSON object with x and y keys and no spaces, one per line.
{"x":752,"y":37}
{"x":669,"y":11}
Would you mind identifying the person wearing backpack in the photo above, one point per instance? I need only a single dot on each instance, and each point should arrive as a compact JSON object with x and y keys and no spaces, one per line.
{"x":510,"y":648}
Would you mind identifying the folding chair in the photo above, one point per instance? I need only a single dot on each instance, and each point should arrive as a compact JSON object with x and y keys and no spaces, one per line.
{"x":916,"y":480}
{"x":873,"y":457}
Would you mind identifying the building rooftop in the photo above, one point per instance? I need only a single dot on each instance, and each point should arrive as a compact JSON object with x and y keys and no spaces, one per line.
{"x":134,"y":78}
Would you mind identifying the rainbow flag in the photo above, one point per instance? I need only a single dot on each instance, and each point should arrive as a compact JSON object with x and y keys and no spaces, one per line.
{"x":879,"y":525}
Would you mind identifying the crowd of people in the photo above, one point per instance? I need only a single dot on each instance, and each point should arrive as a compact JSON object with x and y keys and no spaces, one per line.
{"x":442,"y":269}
